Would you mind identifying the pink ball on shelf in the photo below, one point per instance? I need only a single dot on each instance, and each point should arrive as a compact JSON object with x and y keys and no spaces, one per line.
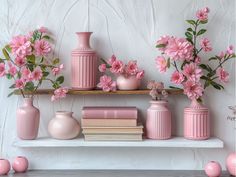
{"x":4,"y":166}
{"x":231,"y":163}
{"x":20,"y":164}
{"x":213,"y":169}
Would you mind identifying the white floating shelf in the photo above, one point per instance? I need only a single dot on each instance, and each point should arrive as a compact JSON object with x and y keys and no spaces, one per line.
{"x":175,"y":142}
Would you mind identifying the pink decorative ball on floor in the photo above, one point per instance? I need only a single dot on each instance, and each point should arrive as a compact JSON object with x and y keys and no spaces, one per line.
{"x":213,"y":169}
{"x":20,"y":164}
{"x":4,"y":166}
{"x":231,"y":164}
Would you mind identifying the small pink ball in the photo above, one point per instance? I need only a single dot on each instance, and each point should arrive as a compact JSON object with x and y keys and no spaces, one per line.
{"x":20,"y":164}
{"x":4,"y":166}
{"x":213,"y":169}
{"x":231,"y":164}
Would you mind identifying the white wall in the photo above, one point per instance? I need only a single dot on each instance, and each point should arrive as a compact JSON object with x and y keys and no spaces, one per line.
{"x":129,"y":29}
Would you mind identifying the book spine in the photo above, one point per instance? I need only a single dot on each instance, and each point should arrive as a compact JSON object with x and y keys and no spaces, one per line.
{"x":108,"y":122}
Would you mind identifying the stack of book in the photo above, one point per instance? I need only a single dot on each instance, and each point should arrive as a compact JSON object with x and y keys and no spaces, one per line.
{"x":111,"y":124}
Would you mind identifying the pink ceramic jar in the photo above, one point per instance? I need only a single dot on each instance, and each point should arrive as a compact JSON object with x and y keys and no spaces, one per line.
{"x":128,"y":83}
{"x":158,"y":123}
{"x":84,"y":64}
{"x":4,"y":166}
{"x":64,"y":126}
{"x":20,"y":164}
{"x":196,"y":122}
{"x":27,"y":120}
{"x":231,"y":164}
{"x":213,"y":169}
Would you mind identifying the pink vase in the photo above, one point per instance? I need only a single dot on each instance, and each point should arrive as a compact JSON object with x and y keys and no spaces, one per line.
{"x":196,"y":122}
{"x":127,"y":83}
{"x":4,"y":166}
{"x":20,"y":164}
{"x":158,"y":123}
{"x":64,"y":126}
{"x":213,"y":169}
{"x":84,"y":64}
{"x":27,"y":120}
{"x":231,"y":164}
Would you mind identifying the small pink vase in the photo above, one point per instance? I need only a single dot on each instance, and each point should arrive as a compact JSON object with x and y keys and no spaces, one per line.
{"x":5,"y":166}
{"x":127,"y":83}
{"x":20,"y":164}
{"x":196,"y":122}
{"x":213,"y":169}
{"x":84,"y":64}
{"x":158,"y":123}
{"x":231,"y":164}
{"x":27,"y":120}
{"x":64,"y":126}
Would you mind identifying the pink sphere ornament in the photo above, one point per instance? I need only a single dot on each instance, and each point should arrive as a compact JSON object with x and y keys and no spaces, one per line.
{"x":231,"y":164}
{"x":20,"y":164}
{"x":213,"y":169}
{"x":4,"y":166}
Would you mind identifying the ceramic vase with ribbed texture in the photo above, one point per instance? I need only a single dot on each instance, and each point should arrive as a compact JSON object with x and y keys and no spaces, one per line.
{"x":196,"y":121}
{"x":84,"y":64}
{"x":231,"y":164}
{"x":158,"y":123}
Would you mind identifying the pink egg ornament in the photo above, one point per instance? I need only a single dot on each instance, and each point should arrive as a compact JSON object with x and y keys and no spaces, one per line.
{"x":5,"y":166}
{"x":231,"y":164}
{"x":213,"y":169}
{"x":20,"y":164}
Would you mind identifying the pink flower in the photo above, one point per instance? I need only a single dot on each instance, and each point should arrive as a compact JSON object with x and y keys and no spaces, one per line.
{"x":131,"y":68}
{"x":20,"y":61}
{"x":111,"y":60}
{"x":202,"y":14}
{"x":42,"y":29}
{"x":163,"y":41}
{"x":221,"y":55}
{"x":161,"y":64}
{"x":102,"y":68}
{"x":26,"y":74}
{"x":21,"y":46}
{"x":197,"y":60}
{"x":193,"y":90}
{"x":192,"y":72}
{"x":117,"y":67}
{"x":12,"y":69}
{"x":42,"y":48}
{"x":223,"y":75}
{"x":29,"y":35}
{"x":179,"y":49}
{"x":58,"y":69}
{"x":107,"y":84}
{"x":140,"y":74}
{"x":177,"y":77}
{"x":59,"y":93}
{"x":230,"y":50}
{"x":205,"y":44}
{"x":2,"y":70}
{"x":37,"y":74}
{"x":19,"y":84}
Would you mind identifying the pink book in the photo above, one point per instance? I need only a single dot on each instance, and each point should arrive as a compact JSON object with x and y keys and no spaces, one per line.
{"x":108,"y":122}
{"x":110,"y":112}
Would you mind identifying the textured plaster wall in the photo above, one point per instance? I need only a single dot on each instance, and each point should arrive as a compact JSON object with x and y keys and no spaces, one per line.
{"x":129,"y":29}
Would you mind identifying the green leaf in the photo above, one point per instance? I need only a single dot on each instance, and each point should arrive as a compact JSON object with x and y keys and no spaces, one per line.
{"x":190,"y":29}
{"x":46,"y":37}
{"x":8,"y":48}
{"x":5,"y":53}
{"x":203,"y":22}
{"x":60,"y":79}
{"x":189,"y":40}
{"x":31,"y":59}
{"x":202,"y":31}
{"x":216,"y":85}
{"x":10,"y":94}
{"x":172,"y":87}
{"x":207,"y":83}
{"x":29,"y":86}
{"x":12,"y":86}
{"x":55,"y":85}
{"x":56,"y":61}
{"x":204,"y":78}
{"x":45,"y":74}
{"x":191,"y":22}
{"x":9,"y":76}
{"x":168,"y":62}
{"x":212,"y":58}
{"x":189,"y":35}
{"x":160,"y":45}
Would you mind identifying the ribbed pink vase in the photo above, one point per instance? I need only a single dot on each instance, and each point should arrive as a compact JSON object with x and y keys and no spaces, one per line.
{"x":158,"y":123}
{"x":84,"y":64}
{"x":27,"y":120}
{"x":196,"y":122}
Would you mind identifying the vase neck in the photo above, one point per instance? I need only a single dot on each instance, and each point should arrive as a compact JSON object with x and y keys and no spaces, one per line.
{"x":158,"y":103}
{"x":63,"y":114}
{"x":28,"y":102}
{"x":84,"y":40}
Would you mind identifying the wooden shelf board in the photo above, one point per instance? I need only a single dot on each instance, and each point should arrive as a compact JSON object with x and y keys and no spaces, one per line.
{"x":175,"y":142}
{"x":100,"y":92}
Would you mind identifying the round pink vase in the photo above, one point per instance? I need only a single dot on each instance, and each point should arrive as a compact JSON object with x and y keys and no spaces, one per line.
{"x":127,"y":83}
{"x":64,"y":126}
{"x":158,"y":123}
{"x":20,"y":164}
{"x":84,"y":64}
{"x":213,"y":169}
{"x":5,"y":166}
{"x":27,"y":120}
{"x":231,"y":164}
{"x":196,"y":122}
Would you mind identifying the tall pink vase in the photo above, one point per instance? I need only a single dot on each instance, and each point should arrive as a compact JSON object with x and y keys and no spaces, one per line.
{"x":84,"y":64}
{"x":196,"y":122}
{"x":27,"y":120}
{"x":231,"y":164}
{"x":158,"y":123}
